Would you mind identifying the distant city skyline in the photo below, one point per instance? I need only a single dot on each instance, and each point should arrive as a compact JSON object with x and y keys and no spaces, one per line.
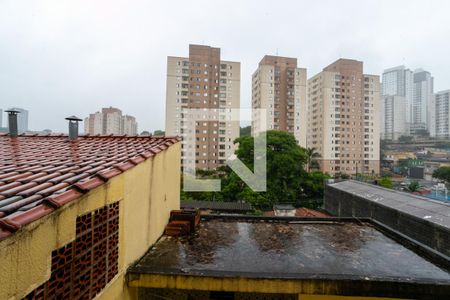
{"x":69,"y":58}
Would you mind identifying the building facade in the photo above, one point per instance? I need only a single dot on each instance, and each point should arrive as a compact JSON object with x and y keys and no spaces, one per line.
{"x":423,"y":93}
{"x":110,"y":121}
{"x":439,"y":115}
{"x":203,"y":81}
{"x":396,"y":102}
{"x":129,"y":125}
{"x":81,"y":223}
{"x":393,"y":117}
{"x":279,"y":87}
{"x":343,"y":118}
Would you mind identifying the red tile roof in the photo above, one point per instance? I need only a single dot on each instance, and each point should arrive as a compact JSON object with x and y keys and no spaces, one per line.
{"x":302,"y":212}
{"x":40,"y":173}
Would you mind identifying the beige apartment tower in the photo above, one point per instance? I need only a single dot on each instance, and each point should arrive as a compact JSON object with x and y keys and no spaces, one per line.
{"x":344,"y":118}
{"x":110,"y":121}
{"x":203,"y":81}
{"x":279,"y":87}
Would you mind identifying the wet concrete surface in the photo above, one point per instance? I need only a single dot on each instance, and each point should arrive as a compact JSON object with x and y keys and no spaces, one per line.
{"x":287,"y":249}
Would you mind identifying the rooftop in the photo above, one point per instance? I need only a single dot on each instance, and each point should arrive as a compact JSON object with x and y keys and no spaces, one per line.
{"x":40,"y":173}
{"x":293,"y":248}
{"x":433,"y":211}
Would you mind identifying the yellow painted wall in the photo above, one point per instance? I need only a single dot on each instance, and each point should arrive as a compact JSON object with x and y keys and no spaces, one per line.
{"x":307,"y":289}
{"x":147,"y":193}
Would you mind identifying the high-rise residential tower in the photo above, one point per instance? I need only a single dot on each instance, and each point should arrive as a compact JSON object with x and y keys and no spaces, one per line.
{"x":344,"y":119}
{"x":203,"y":81}
{"x":396,"y":102}
{"x":110,"y":121}
{"x":423,"y":93}
{"x":439,"y":115}
{"x":279,"y":87}
{"x":129,"y":125}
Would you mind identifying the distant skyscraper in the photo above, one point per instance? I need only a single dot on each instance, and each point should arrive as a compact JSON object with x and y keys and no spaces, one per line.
{"x":1,"y":118}
{"x":94,"y":123}
{"x":344,"y":119}
{"x":129,"y":125}
{"x":423,"y":93}
{"x":110,"y":121}
{"x":279,"y":86}
{"x":203,"y":81}
{"x":22,"y":119}
{"x":439,"y":115}
{"x":396,"y":102}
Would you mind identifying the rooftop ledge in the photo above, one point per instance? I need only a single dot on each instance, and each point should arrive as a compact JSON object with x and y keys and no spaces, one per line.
{"x":340,"y":256}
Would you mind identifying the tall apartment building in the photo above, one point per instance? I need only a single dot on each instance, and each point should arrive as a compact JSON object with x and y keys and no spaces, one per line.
{"x":439,"y":115}
{"x":279,"y":87}
{"x":203,"y":81}
{"x":423,"y":93}
{"x":344,"y":119}
{"x":396,"y":102}
{"x":129,"y":125}
{"x":22,"y":119}
{"x":110,"y":121}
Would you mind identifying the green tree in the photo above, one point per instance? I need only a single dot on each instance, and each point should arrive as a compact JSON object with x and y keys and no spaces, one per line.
{"x":159,"y":132}
{"x":341,"y":175}
{"x":287,"y":180}
{"x":285,"y":164}
{"x":442,"y":173}
{"x":413,"y":186}
{"x":246,"y":131}
{"x":311,"y":156}
{"x":386,"y":182}
{"x":405,"y":139}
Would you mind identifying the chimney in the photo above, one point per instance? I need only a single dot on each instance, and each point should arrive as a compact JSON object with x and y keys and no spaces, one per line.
{"x":12,"y":122}
{"x":73,"y":127}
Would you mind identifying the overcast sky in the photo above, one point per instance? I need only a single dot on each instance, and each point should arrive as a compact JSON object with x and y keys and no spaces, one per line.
{"x":61,"y":58}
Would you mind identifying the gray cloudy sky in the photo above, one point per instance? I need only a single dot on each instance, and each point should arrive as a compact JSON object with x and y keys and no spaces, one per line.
{"x":59,"y":58}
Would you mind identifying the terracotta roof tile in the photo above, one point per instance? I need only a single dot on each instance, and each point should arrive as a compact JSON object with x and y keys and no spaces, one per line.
{"x":32,"y":177}
{"x":9,"y":186}
{"x":19,"y":203}
{"x":17,"y":189}
{"x":73,"y":179}
{"x":89,"y":184}
{"x":39,"y":173}
{"x":35,"y":189}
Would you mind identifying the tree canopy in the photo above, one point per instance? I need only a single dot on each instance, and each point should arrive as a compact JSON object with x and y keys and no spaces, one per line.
{"x":442,"y":173}
{"x":159,"y":132}
{"x":386,"y":182}
{"x":287,"y":180}
{"x":405,"y":139}
{"x":246,"y":131}
{"x":413,"y":186}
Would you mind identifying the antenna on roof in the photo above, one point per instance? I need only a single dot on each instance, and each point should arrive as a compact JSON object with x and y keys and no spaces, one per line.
{"x":73,"y":127}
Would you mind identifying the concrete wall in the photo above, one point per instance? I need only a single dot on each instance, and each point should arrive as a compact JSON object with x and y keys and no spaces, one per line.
{"x":146,"y":194}
{"x":344,"y":204}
